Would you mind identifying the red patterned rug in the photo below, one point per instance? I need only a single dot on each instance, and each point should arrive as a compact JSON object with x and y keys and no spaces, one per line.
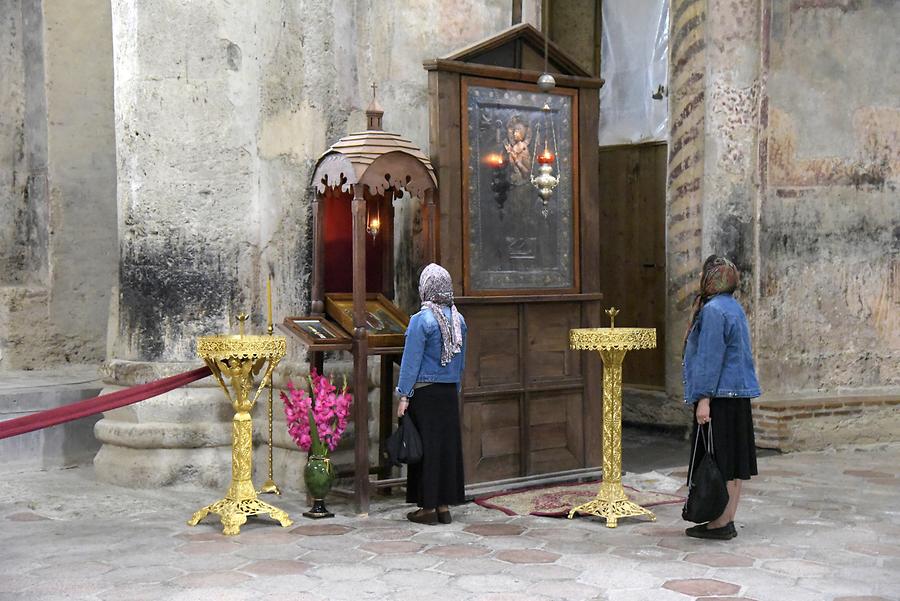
{"x":557,"y":499}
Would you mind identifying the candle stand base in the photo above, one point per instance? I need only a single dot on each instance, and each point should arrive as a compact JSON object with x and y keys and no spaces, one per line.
{"x":612,"y":503}
{"x":234,"y":513}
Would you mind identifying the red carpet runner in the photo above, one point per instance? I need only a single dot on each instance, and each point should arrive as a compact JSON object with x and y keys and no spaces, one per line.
{"x":106,"y":402}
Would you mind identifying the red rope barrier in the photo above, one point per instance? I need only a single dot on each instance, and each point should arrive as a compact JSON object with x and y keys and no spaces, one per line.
{"x":106,"y":402}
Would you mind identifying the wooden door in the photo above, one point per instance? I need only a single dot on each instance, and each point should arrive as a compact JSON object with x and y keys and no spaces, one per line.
{"x":524,"y":396}
{"x":632,"y":248}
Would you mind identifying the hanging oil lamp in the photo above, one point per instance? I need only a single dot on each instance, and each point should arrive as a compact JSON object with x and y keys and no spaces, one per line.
{"x":545,"y":182}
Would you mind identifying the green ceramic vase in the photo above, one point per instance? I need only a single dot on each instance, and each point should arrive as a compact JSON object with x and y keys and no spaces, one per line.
{"x":318,"y":476}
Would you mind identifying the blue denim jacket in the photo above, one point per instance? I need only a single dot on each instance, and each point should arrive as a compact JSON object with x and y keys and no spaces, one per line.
{"x":717,"y":358}
{"x":422,"y":354}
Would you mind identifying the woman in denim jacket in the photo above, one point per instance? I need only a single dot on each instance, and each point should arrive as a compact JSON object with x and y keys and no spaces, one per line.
{"x":430,"y":380}
{"x":719,"y":381}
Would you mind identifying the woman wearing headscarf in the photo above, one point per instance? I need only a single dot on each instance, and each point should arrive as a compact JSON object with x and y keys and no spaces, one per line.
{"x":429,"y":383}
{"x":719,"y":381}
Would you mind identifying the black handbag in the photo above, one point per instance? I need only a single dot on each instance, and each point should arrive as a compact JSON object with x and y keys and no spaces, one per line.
{"x":405,"y":444}
{"x":707,"y":494}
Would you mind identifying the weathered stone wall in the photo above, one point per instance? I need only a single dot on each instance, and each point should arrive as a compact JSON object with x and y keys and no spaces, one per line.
{"x":792,"y":172}
{"x":829,"y":308}
{"x":221,"y":112}
{"x":57,"y":180}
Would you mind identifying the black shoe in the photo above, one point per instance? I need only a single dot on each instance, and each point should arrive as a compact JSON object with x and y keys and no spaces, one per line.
{"x":695,"y":529}
{"x":726,"y":532}
{"x":420,"y":516}
{"x":444,"y":517}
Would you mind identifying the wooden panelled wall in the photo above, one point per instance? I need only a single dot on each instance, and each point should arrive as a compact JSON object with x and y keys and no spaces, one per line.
{"x":524,"y":405}
{"x":633,"y":249}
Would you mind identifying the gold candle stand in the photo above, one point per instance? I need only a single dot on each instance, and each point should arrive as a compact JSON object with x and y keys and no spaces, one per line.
{"x":612,"y":343}
{"x":241,"y":358}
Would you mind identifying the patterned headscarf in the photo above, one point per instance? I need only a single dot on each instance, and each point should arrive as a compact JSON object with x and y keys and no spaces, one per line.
{"x":719,"y":275}
{"x":436,"y":291}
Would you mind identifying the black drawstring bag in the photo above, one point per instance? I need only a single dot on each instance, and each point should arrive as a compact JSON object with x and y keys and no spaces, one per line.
{"x":405,"y":444}
{"x":707,"y":494}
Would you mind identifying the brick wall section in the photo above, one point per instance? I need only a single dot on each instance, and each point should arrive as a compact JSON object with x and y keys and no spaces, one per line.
{"x":807,"y":424}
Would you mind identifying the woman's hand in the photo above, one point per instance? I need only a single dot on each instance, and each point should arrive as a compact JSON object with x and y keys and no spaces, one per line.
{"x":703,"y":411}
{"x":403,"y":406}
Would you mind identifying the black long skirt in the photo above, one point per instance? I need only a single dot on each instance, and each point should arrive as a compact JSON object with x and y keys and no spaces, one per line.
{"x":438,"y":479}
{"x":734,"y":444}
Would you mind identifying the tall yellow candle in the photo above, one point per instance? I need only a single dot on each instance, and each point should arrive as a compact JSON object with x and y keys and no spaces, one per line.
{"x":269,"y":299}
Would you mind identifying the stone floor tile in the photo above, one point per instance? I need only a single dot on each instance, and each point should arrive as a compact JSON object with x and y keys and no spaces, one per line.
{"x":343,"y":590}
{"x":669,"y":570}
{"x":538,"y":572}
{"x":493,"y":583}
{"x":568,"y":590}
{"x":526,"y":556}
{"x":877,"y":550}
{"x":701,"y":587}
{"x":559,"y":533}
{"x":443,"y":536}
{"x":221,"y":593}
{"x":296,"y":584}
{"x":499,"y":543}
{"x":456,"y":551}
{"x":26,"y":516}
{"x":861,"y":598}
{"x":445,"y":593}
{"x":797,"y":567}
{"x":266,"y":536}
{"x":654,"y":594}
{"x":515,"y":596}
{"x":390,"y":547}
{"x":199,"y":537}
{"x":405,"y":562}
{"x":590,"y":545}
{"x":469,"y":566}
{"x":349,"y":571}
{"x":868,"y":474}
{"x":387,"y":533}
{"x":837,"y":586}
{"x":416,"y":579}
{"x":215,"y":563}
{"x":142,"y":575}
{"x":218,"y":547}
{"x":321,"y":557}
{"x":139,"y":592}
{"x":321,"y":529}
{"x":720,"y":560}
{"x":210,"y":579}
{"x":646,"y":552}
{"x":626,"y":578}
{"x":276,"y":567}
{"x":489,"y":529}
{"x":725,"y":599}
{"x":767,"y":551}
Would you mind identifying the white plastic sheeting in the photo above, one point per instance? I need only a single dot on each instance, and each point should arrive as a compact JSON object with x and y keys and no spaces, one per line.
{"x":634,"y":60}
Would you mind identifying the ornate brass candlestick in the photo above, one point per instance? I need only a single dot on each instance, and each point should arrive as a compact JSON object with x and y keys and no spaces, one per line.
{"x":241,"y":358}
{"x":612,"y":343}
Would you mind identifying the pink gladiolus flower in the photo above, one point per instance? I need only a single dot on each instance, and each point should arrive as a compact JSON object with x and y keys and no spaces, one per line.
{"x":330,"y":411}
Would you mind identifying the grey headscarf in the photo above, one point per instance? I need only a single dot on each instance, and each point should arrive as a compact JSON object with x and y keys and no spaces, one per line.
{"x":436,"y":291}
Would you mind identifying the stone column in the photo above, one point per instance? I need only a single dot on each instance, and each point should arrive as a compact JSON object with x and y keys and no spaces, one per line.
{"x":712,"y":198}
{"x":204,"y":174}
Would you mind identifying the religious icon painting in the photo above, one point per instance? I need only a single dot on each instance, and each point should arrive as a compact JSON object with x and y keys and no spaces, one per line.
{"x":515,"y":240}
{"x":385,"y":322}
{"x":318,"y":332}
